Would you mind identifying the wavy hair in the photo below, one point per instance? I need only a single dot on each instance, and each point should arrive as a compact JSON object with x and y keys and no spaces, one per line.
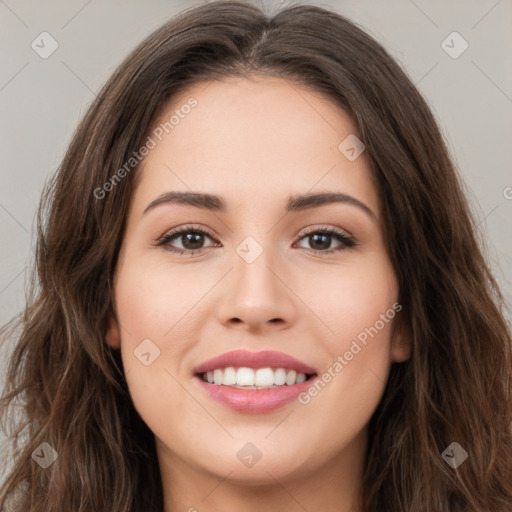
{"x":65,"y":386}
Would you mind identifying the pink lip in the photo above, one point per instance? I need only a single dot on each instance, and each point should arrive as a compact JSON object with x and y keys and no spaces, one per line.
{"x":254,"y":400}
{"x":262,"y":359}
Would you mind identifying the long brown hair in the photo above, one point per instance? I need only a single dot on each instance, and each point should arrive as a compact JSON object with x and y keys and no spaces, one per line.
{"x":66,"y":387}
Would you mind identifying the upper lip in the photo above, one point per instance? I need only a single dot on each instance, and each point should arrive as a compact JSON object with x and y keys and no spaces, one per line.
{"x":262,"y":359}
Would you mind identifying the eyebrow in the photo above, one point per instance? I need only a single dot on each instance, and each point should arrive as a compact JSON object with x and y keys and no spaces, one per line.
{"x":295,"y":203}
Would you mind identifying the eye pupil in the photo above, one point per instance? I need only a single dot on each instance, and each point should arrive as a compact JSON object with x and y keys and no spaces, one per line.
{"x":325,"y":238}
{"x":195,"y":239}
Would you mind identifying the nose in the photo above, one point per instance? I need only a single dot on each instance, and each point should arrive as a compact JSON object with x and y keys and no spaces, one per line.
{"x":257,"y":296}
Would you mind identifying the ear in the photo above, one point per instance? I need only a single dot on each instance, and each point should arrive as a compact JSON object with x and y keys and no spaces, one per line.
{"x":112,"y":335}
{"x":400,"y":340}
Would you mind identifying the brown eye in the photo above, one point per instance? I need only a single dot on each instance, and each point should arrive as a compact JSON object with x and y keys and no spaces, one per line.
{"x":191,"y":240}
{"x":320,"y":240}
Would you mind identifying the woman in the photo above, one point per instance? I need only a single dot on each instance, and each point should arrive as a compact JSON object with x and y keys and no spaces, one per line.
{"x":259,"y":287}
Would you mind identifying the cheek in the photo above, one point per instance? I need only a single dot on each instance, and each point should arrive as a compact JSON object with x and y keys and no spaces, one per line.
{"x":151,"y":300}
{"x":359,"y":307}
{"x":351,"y":300}
{"x":347,"y":392}
{"x":150,"y":305}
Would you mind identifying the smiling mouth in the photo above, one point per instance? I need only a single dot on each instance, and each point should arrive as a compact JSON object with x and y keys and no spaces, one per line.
{"x":254,"y":379}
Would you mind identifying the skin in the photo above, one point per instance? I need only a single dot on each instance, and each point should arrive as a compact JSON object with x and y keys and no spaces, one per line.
{"x":256,"y":142}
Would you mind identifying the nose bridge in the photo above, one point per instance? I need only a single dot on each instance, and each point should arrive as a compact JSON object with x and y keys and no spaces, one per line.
{"x":253,"y":280}
{"x":258,"y":249}
{"x":255,"y":293}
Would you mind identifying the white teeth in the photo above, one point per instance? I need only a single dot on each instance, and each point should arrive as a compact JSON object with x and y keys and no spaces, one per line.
{"x":229,"y":376}
{"x":291,"y":377}
{"x":217,"y":377}
{"x":264,"y":377}
{"x":245,"y":377}
{"x":300,"y":378}
{"x":279,"y":377}
{"x":249,"y":378}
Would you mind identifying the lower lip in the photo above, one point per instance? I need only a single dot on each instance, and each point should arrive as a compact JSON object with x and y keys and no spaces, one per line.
{"x":254,"y":400}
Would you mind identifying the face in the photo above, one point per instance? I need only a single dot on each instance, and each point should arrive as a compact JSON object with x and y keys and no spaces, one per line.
{"x":299,"y":284}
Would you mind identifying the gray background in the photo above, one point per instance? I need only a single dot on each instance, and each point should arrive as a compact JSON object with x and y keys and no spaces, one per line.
{"x":41,"y":100}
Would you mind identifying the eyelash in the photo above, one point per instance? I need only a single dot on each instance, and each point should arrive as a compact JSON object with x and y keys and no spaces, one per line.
{"x":347,"y":242}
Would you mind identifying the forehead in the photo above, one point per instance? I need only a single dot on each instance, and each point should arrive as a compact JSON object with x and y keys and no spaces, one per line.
{"x":253,"y":138}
